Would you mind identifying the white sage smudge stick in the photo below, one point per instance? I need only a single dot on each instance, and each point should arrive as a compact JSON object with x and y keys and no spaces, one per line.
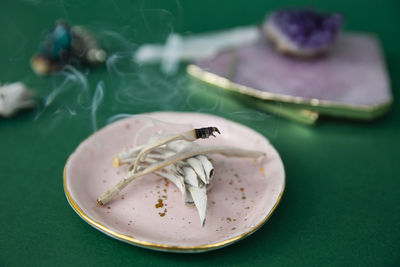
{"x":14,"y":97}
{"x":193,"y":151}
{"x":190,"y":135}
{"x":178,"y":159}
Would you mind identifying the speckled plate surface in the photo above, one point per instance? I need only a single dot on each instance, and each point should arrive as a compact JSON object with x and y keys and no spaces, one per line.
{"x":243,"y":197}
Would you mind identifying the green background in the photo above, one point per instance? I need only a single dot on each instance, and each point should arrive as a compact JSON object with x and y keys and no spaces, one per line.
{"x":341,"y":206}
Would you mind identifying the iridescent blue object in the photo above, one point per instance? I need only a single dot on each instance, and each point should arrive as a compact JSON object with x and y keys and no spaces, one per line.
{"x":307,"y":28}
{"x":65,"y":45}
{"x":57,"y":43}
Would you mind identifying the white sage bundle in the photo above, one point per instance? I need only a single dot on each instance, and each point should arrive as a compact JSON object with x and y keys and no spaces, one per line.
{"x":14,"y":97}
{"x":180,"y":160}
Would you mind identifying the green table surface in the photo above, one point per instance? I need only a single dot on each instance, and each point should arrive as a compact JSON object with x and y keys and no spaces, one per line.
{"x":341,"y":206}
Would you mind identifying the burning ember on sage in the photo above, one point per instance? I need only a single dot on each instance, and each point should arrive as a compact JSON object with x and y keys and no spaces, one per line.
{"x":178,"y":159}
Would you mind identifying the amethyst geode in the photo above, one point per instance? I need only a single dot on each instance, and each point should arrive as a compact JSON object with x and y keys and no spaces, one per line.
{"x":302,"y":32}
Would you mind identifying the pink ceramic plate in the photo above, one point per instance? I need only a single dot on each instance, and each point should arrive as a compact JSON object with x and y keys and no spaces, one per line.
{"x":243,"y":197}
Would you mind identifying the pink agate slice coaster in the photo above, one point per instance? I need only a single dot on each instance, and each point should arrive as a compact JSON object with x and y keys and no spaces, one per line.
{"x":150,"y":211}
{"x":351,"y":78}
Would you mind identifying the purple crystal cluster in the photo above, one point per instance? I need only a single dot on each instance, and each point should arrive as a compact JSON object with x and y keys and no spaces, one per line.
{"x":306,"y":28}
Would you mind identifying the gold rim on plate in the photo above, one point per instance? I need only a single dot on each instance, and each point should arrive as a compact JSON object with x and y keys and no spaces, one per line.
{"x":164,"y":247}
